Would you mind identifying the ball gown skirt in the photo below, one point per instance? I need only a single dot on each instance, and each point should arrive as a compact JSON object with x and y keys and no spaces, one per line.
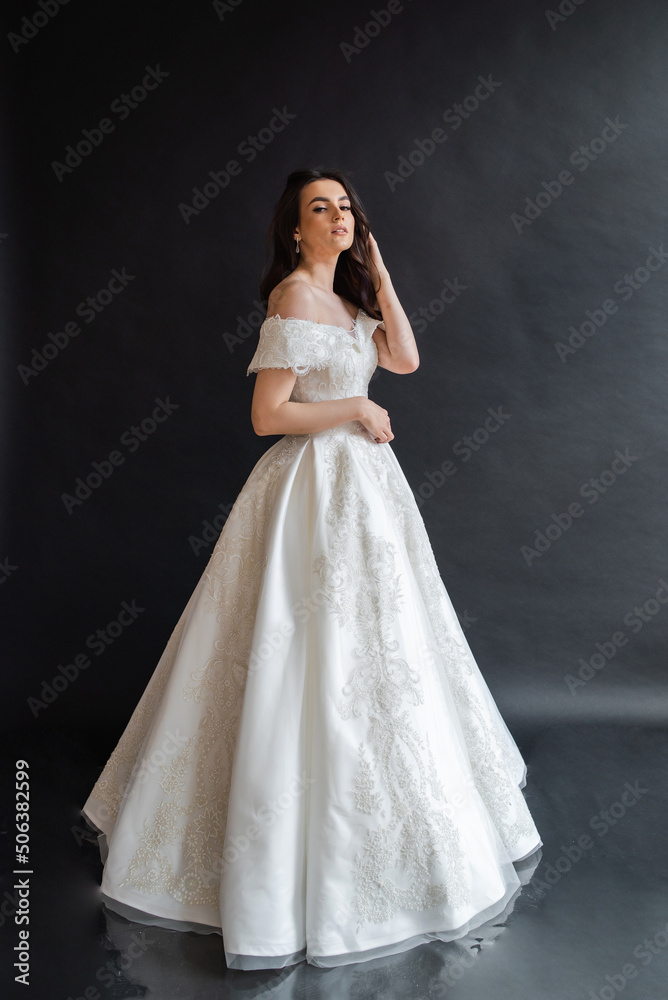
{"x":316,"y":769}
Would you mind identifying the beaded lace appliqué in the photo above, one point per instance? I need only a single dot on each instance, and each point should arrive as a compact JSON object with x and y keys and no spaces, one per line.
{"x":411,"y":857}
{"x":196,"y":781}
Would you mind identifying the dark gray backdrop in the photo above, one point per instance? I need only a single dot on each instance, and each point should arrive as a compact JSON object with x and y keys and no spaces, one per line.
{"x":513,"y":153}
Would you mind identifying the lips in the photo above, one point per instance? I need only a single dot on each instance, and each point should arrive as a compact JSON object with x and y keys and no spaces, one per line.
{"x":341,"y":229}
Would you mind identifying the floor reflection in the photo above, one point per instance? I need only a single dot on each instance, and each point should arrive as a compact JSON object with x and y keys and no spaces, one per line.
{"x":155,"y":962}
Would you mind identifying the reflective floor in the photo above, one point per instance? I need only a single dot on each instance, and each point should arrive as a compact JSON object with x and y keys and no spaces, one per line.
{"x":592,"y":922}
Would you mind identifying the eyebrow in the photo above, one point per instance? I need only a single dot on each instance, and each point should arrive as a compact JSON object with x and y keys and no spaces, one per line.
{"x":343,"y":197}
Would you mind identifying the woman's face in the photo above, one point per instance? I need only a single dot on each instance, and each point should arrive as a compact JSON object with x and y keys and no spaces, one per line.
{"x":324,"y":210}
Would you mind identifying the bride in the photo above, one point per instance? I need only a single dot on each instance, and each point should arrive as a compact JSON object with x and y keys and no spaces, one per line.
{"x":317,"y":769}
{"x":326,"y":229}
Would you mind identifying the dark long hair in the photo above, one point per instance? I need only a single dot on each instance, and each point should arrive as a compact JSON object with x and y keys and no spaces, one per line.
{"x":355,"y":272}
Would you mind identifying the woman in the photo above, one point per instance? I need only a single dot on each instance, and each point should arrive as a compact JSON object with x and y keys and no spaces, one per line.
{"x":317,"y":768}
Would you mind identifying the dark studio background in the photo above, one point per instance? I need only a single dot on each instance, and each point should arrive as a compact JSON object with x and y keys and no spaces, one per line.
{"x":67,"y":574}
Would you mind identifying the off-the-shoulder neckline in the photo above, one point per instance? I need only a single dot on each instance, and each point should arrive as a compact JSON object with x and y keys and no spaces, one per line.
{"x":329,"y":326}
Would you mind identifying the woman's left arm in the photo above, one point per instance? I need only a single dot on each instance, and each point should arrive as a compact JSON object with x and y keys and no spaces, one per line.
{"x":397,"y":350}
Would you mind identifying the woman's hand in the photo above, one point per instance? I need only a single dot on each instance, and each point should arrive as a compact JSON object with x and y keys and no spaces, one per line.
{"x":377,"y":261}
{"x":377,"y":422}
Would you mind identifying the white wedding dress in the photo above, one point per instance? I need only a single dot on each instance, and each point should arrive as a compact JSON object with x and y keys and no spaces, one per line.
{"x":316,"y":768}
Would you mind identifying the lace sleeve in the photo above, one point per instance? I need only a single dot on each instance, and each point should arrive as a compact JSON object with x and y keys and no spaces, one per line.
{"x":292,"y":343}
{"x":369,"y":324}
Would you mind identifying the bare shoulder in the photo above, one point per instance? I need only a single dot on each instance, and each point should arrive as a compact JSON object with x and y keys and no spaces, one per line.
{"x":292,"y":297}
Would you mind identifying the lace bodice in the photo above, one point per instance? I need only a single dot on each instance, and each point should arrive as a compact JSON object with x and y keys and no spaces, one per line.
{"x":329,"y":362}
{"x":321,"y":607}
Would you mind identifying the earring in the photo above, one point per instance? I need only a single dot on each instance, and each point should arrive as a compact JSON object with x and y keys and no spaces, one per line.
{"x":296,"y":244}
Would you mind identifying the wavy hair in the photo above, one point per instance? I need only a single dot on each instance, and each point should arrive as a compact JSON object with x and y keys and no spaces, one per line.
{"x":355,"y":271}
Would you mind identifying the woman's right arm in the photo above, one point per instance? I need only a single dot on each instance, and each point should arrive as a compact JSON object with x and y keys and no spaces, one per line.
{"x":273,"y":412}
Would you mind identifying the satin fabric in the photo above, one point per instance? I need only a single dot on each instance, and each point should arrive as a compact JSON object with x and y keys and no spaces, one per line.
{"x":316,"y":769}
